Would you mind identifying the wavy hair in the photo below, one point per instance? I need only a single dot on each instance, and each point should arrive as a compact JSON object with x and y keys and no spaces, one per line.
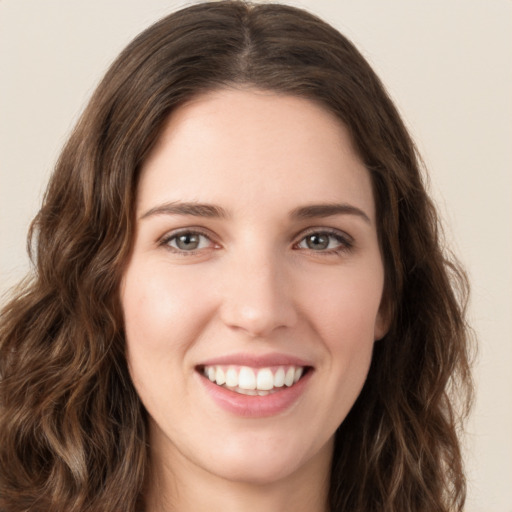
{"x":72,"y":429}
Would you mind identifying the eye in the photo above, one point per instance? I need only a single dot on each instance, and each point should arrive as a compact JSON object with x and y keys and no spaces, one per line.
{"x":187,"y":241}
{"x":325,"y":241}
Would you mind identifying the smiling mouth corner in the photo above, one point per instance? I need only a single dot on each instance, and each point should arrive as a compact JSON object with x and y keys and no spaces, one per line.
{"x":254,"y":381}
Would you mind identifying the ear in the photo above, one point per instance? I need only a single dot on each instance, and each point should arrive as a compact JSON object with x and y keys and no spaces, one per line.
{"x":383,"y":319}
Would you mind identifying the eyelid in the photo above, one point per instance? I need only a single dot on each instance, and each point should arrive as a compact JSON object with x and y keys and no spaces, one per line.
{"x":326,"y":230}
{"x":346,"y":241}
{"x":195,"y":230}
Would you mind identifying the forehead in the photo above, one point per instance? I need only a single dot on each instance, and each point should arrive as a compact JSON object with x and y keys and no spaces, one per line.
{"x":240,"y":147}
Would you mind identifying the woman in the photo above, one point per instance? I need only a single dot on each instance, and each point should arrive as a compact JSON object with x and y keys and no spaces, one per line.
{"x":240,"y":299}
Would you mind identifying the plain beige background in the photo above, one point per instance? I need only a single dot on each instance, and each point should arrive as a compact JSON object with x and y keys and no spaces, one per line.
{"x":447,"y":64}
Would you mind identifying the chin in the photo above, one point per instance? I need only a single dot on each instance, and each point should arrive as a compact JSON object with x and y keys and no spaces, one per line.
{"x":265,"y":461}
{"x":261,"y":473}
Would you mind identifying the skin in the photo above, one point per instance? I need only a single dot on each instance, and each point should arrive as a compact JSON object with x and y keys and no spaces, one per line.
{"x":254,"y":285}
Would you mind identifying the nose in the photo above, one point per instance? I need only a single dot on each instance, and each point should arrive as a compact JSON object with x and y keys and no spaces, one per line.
{"x":257,"y":297}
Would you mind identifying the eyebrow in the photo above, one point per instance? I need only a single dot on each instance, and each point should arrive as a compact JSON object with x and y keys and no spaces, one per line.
{"x":214,"y":211}
{"x":328,"y":210}
{"x":179,"y":208}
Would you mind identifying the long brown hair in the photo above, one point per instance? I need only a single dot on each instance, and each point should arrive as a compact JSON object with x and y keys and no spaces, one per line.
{"x":72,"y":429}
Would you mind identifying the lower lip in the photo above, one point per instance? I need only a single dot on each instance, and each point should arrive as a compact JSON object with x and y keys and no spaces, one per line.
{"x":256,"y":406}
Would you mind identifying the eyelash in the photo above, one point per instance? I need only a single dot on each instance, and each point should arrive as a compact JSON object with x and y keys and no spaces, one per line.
{"x":345,"y":243}
{"x":166,"y":241}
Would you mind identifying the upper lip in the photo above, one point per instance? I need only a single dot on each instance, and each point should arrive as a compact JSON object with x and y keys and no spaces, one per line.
{"x":256,"y":361}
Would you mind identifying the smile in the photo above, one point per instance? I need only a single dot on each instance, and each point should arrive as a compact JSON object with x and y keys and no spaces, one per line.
{"x":253,"y":381}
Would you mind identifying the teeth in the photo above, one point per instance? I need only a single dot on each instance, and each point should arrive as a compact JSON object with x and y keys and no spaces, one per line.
{"x":232,"y":378}
{"x":253,"y":381}
{"x":289,"y":377}
{"x":246,"y":391}
{"x":246,"y":378}
{"x":265,"y":380}
{"x":220,"y":378}
{"x":279,"y":378}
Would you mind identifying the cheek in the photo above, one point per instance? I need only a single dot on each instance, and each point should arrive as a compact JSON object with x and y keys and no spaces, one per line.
{"x":159,"y":308}
{"x":163,"y":317}
{"x":345,"y":308}
{"x":345,"y":318}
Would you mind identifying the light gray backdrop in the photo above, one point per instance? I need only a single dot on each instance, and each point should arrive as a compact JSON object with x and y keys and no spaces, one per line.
{"x":447,"y":64}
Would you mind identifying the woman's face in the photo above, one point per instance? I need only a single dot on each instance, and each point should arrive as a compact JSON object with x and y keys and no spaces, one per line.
{"x":255,"y":263}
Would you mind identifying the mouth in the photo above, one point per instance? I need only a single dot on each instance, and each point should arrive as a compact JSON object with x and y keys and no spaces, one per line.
{"x":246,"y":380}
